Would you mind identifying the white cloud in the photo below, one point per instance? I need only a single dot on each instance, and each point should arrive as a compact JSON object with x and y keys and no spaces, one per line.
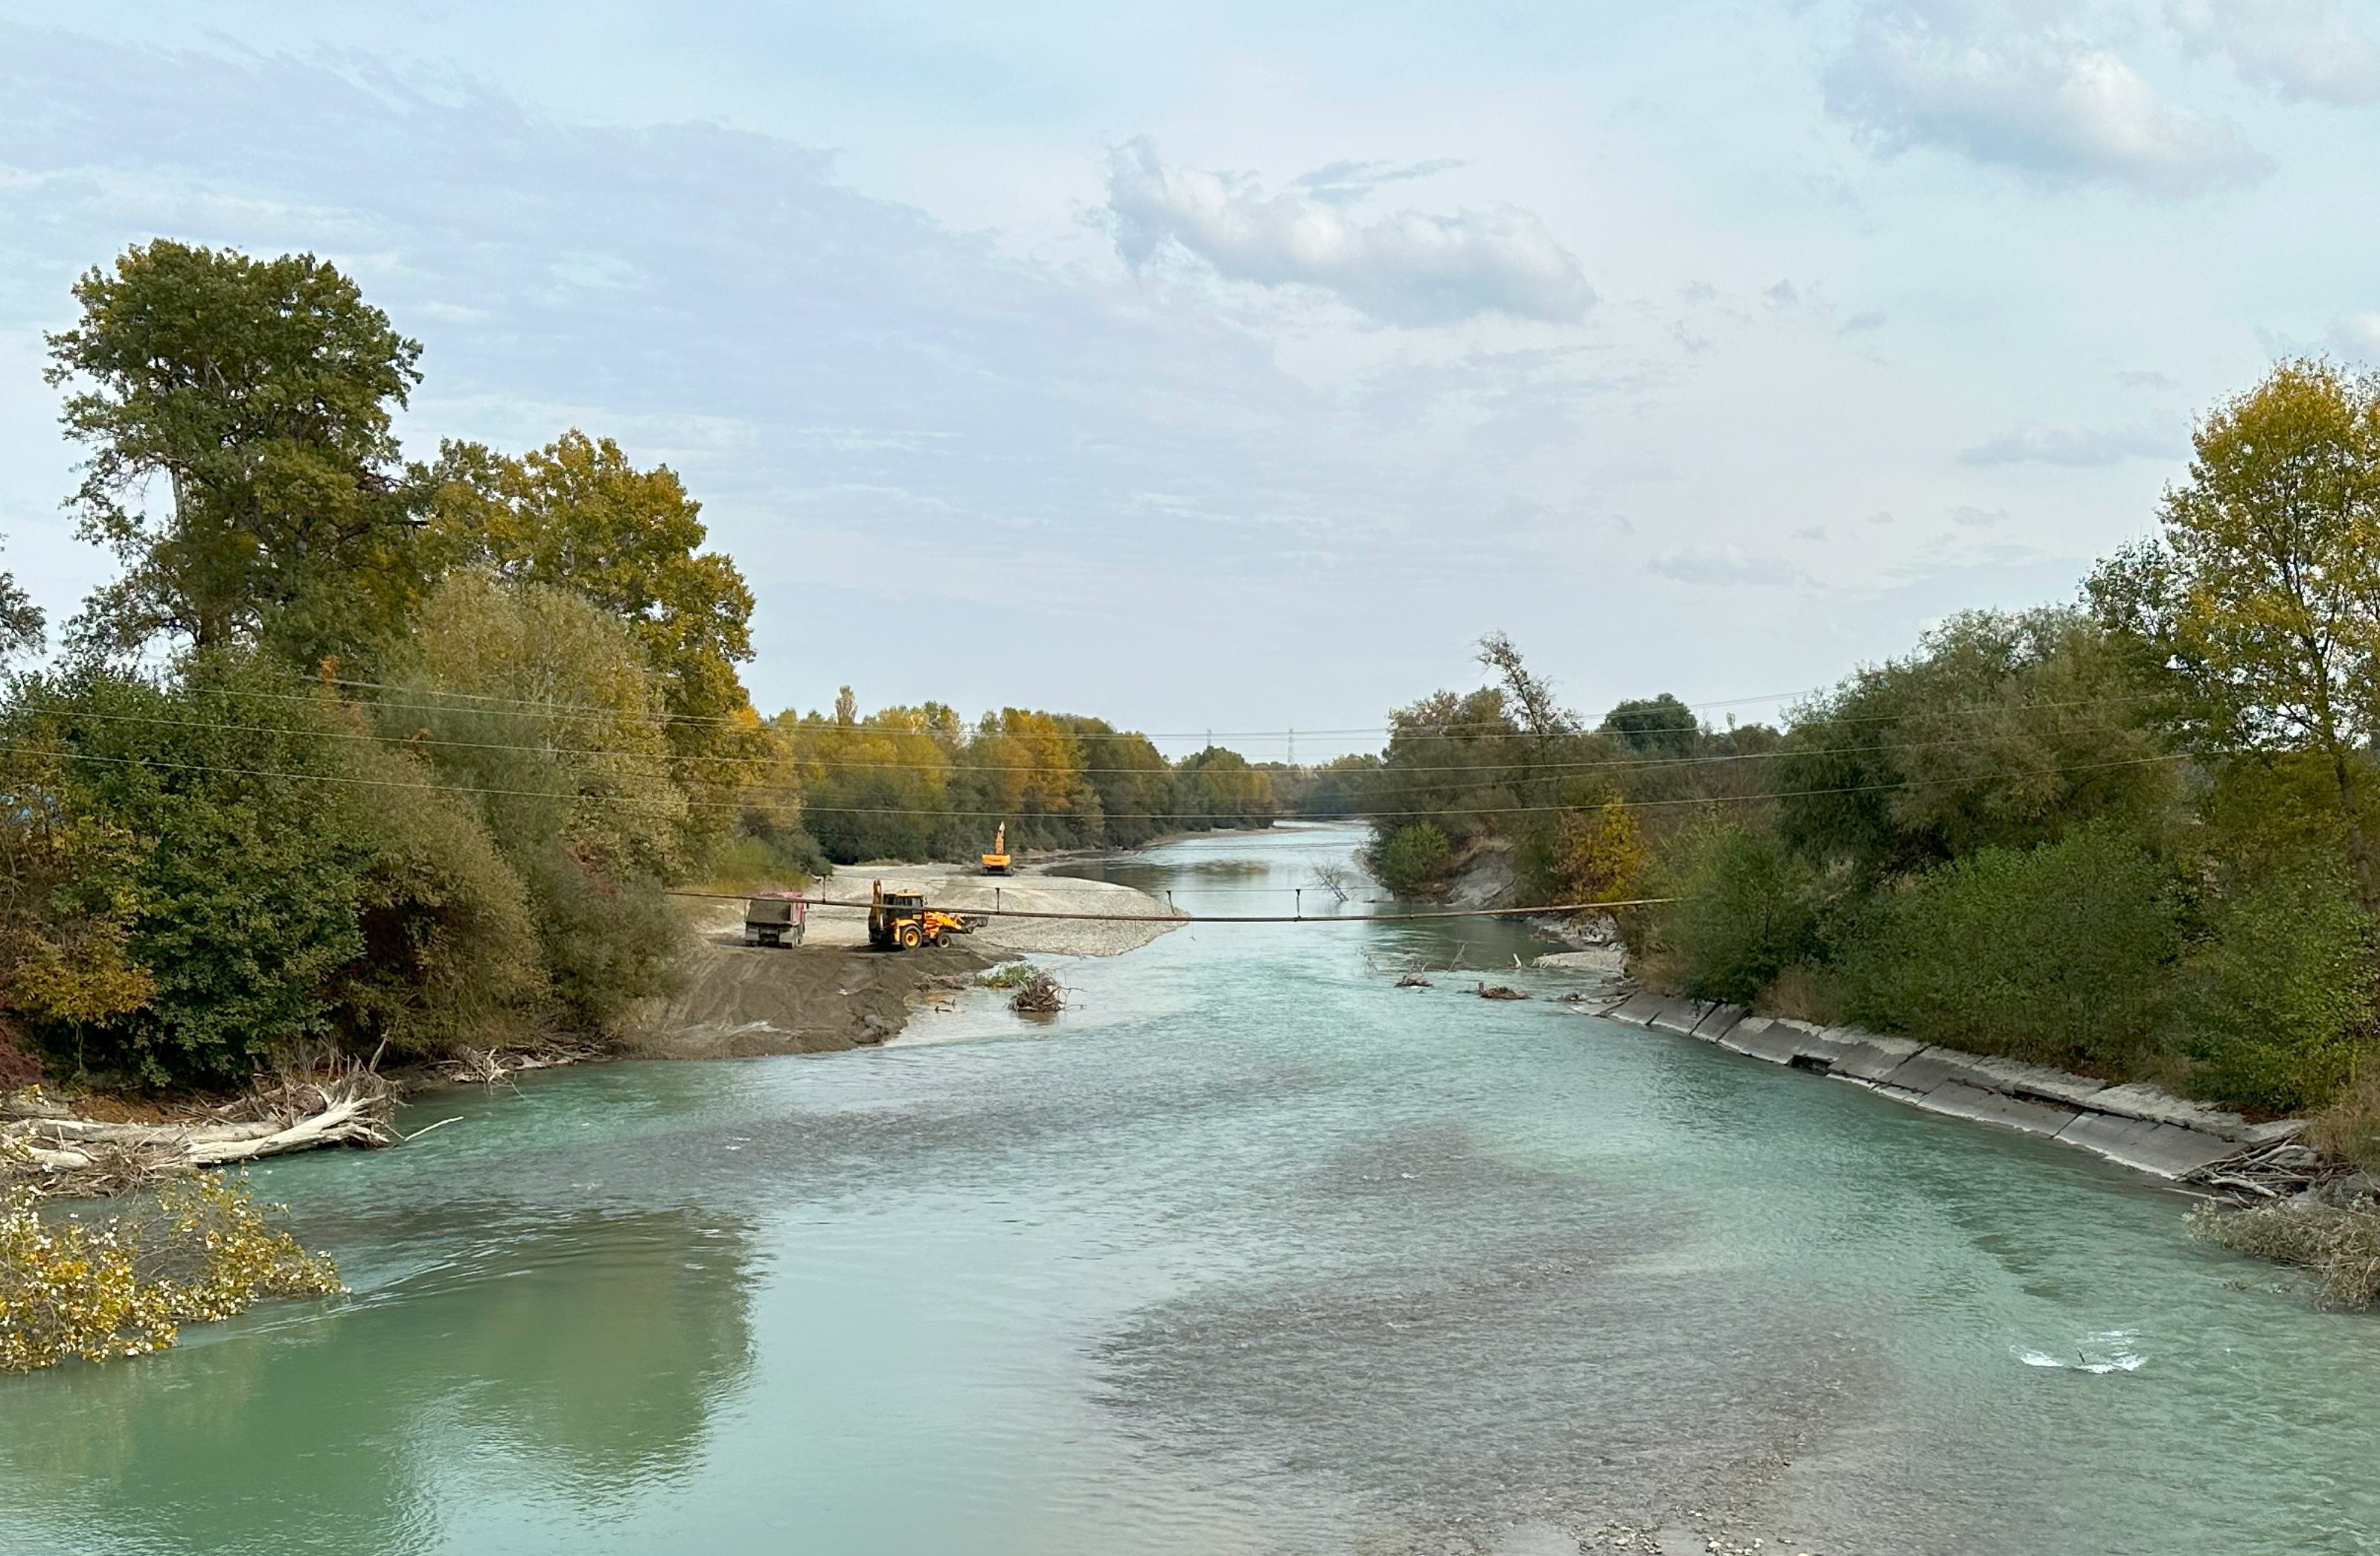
{"x":2072,"y":448}
{"x":2044,"y":99}
{"x":1723,"y":565}
{"x":1408,"y":267}
{"x":2357,"y":335}
{"x":1977,"y":518}
{"x":2307,"y":49}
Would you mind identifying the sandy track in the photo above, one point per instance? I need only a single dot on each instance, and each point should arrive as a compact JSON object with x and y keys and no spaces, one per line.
{"x":833,"y":992}
{"x":962,"y":890}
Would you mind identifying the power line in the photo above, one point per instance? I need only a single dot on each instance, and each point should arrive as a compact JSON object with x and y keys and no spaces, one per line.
{"x":1225,"y":918}
{"x":1225,"y":815}
{"x":804,"y":761}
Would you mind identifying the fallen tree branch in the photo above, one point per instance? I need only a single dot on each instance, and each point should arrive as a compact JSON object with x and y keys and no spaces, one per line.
{"x":61,"y":1155}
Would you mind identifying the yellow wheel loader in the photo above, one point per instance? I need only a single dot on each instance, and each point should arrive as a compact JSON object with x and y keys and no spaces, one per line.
{"x":902,"y":922}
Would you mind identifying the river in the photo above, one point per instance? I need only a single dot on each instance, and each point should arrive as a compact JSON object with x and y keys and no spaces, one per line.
{"x":1248,"y":1251}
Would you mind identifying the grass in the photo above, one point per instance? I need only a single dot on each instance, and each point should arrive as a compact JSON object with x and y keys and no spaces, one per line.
{"x":1009,"y":975}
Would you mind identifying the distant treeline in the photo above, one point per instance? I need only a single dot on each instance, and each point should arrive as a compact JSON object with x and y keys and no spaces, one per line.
{"x":2132,"y":836}
{"x":922,"y":783}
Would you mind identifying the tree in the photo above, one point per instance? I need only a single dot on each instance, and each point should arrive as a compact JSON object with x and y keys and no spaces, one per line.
{"x":20,"y":621}
{"x":212,"y":833}
{"x":1540,"y":717}
{"x":538,"y":707}
{"x":577,"y":514}
{"x":2265,"y":592}
{"x":260,"y":392}
{"x":2000,"y":731}
{"x":1598,"y":854}
{"x":1654,"y":726}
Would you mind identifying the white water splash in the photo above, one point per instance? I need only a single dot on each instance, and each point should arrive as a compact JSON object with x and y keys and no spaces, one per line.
{"x":2110,"y":1350}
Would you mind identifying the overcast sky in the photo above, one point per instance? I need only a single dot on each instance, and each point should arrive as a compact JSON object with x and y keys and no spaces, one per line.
{"x":1236,"y":366}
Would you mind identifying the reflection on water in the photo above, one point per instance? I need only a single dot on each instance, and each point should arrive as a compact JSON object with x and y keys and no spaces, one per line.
{"x":585,"y":1352}
{"x":1249,"y":1251}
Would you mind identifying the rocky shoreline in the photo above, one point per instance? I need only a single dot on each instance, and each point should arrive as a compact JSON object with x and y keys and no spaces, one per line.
{"x":2134,"y":1125}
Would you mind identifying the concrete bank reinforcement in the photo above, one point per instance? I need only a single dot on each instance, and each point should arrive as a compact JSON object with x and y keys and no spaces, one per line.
{"x":2136,"y":1125}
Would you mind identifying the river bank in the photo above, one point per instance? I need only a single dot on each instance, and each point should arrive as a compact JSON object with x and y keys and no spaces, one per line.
{"x":2134,"y":1124}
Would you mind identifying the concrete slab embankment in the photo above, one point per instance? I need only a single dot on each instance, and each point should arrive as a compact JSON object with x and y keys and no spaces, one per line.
{"x":2136,"y":1125}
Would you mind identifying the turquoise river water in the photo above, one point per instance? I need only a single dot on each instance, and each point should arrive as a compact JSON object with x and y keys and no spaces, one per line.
{"x":1248,"y":1251}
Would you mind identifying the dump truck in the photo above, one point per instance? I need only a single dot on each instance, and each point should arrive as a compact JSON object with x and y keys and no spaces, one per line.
{"x":995,"y":862}
{"x":902,"y":922}
{"x":775,"y":918}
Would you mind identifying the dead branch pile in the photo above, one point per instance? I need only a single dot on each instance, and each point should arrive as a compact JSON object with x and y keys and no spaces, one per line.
{"x":1040,"y":995}
{"x":42,"y":1145}
{"x":493,"y":1065}
{"x":2340,"y":1247}
{"x":1413,"y":980}
{"x":2280,"y":1171}
{"x":1498,"y":991}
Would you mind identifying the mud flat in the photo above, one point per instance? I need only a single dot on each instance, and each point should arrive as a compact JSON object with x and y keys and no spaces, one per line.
{"x":833,"y":991}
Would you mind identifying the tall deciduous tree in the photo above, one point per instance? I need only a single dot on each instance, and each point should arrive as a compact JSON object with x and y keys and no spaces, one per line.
{"x":259,"y":393}
{"x":577,"y":514}
{"x":2264,"y":591}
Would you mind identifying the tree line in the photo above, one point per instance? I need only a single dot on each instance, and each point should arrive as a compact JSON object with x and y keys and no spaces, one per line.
{"x":401,"y":753}
{"x":2131,"y":834}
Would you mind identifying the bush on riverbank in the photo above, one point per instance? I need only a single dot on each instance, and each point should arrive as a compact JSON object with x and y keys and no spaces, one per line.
{"x":2059,"y":954}
{"x":200,"y":1250}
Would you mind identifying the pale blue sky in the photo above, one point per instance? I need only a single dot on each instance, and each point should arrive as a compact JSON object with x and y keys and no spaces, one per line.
{"x":1236,"y":366}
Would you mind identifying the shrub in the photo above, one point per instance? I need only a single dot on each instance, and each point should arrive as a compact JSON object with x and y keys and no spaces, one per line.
{"x":2277,"y":1000}
{"x":242,"y":872}
{"x":1411,"y":859}
{"x":1748,"y":909}
{"x":2060,"y":954}
{"x":200,"y":1251}
{"x":450,"y":954}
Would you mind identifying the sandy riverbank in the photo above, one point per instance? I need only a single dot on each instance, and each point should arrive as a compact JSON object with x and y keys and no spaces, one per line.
{"x":833,"y":992}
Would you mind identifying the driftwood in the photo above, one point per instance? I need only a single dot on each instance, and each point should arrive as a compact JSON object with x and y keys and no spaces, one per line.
{"x":491,"y":1066}
{"x":1041,"y":995}
{"x":1413,"y":980}
{"x":1498,"y":991}
{"x":2280,"y":1171}
{"x":59,"y":1154}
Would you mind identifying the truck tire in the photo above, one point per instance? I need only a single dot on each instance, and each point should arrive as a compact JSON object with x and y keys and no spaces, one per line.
{"x":908,"y":937}
{"x":941,"y":940}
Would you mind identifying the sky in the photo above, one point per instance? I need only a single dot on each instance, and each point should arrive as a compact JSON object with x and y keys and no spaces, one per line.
{"x":1235,"y":366}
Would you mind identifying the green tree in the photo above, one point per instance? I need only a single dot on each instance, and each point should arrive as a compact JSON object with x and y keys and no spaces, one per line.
{"x":578,"y":515}
{"x":259,"y":393}
{"x":2001,"y":731}
{"x":1411,"y":859}
{"x":221,"y":847}
{"x":1748,"y":908}
{"x":20,"y":621}
{"x":1654,"y":726}
{"x":2263,"y":594}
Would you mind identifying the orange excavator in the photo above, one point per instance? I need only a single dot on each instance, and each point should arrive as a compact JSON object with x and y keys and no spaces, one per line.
{"x":995,"y":862}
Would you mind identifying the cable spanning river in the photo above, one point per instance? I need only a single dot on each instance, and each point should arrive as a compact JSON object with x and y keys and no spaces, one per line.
{"x":1248,"y":1251}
